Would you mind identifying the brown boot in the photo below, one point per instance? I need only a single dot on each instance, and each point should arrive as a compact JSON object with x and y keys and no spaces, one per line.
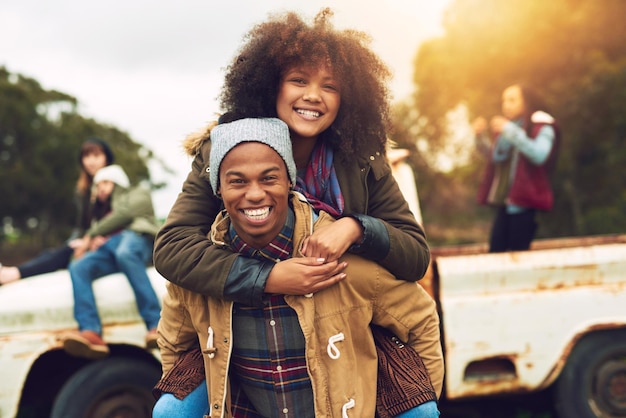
{"x":87,"y":344}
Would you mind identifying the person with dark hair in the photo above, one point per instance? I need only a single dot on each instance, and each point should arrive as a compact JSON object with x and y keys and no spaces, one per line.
{"x":330,"y":89}
{"x":94,"y":154}
{"x":294,"y":356}
{"x":521,"y":158}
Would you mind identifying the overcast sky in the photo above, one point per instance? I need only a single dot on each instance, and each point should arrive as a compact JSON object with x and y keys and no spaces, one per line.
{"x":154,"y":68}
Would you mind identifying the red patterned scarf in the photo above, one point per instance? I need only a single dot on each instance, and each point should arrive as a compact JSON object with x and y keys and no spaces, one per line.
{"x":320,"y":185}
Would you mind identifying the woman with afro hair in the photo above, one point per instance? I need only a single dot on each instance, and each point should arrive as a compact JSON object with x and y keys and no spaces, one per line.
{"x":330,"y":89}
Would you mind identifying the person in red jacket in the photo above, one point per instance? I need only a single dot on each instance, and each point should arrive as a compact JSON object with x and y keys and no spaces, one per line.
{"x":517,"y":179}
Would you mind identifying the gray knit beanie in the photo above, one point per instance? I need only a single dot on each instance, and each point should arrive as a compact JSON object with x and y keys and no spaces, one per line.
{"x":269,"y":131}
{"x":113,"y":173}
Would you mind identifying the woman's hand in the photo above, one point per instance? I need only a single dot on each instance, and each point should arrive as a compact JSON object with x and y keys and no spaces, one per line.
{"x":331,"y":241}
{"x":303,"y":275}
{"x":498,"y":122}
{"x":97,"y":242}
{"x":81,"y":246}
{"x":75,"y":243}
{"x":479,"y":125}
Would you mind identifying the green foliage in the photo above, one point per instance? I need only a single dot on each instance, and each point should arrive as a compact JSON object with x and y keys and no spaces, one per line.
{"x":40,"y":137}
{"x":573,"y":52}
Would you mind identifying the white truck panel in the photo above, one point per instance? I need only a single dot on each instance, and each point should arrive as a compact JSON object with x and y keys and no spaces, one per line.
{"x":525,"y":307}
{"x":35,"y":311}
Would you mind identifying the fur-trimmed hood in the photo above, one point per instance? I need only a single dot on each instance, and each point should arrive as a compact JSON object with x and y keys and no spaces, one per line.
{"x":193,"y":142}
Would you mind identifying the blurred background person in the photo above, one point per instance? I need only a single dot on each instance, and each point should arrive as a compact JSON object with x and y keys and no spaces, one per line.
{"x":93,"y":155}
{"x":520,"y":159}
{"x":122,"y":241}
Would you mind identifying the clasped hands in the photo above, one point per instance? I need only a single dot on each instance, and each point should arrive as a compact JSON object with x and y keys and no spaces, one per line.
{"x":320,"y":267}
{"x":496,"y":124}
{"x":87,"y":243}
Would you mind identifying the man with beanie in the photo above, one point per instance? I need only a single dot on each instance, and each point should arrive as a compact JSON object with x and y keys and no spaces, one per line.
{"x":120,"y":241}
{"x":292,"y":356}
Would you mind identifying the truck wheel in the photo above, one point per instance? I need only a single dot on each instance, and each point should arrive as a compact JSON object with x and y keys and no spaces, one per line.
{"x":593,"y":381}
{"x":114,"y":387}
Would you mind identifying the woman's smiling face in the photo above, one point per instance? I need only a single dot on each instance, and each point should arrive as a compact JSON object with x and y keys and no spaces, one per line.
{"x":513,"y":105}
{"x":308,"y":100}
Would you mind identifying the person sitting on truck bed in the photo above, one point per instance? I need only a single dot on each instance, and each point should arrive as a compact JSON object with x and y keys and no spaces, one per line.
{"x":120,"y":241}
{"x":94,"y":154}
{"x":321,"y":339}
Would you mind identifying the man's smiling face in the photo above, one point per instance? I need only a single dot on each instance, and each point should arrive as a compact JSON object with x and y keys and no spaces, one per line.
{"x":254,"y":185}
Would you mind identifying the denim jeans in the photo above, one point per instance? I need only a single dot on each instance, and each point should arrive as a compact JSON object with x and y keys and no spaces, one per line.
{"x":425,"y":410}
{"x":512,"y":231}
{"x":127,"y":252}
{"x":47,"y":261}
{"x":194,"y":405}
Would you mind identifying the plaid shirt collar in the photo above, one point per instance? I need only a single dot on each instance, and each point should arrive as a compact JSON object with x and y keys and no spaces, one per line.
{"x":279,"y":249}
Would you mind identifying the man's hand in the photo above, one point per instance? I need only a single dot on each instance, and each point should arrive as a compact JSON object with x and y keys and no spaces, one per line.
{"x":303,"y":275}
